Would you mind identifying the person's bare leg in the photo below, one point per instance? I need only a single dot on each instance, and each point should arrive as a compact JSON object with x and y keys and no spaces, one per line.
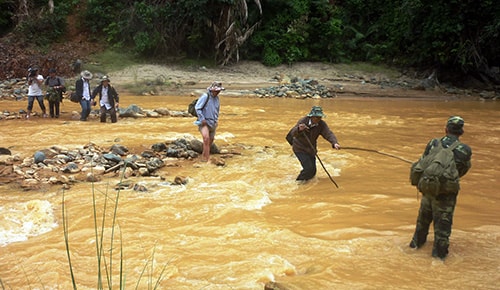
{"x":205,"y":156}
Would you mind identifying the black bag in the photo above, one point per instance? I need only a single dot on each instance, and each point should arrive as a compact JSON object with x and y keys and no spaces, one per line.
{"x":74,"y":97}
{"x":192,"y":105}
{"x":289,"y":137}
{"x":191,"y":109}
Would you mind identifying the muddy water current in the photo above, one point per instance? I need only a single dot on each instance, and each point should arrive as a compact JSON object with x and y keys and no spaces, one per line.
{"x":247,"y":223}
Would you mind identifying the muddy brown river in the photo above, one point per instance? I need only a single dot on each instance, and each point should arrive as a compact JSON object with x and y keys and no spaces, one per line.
{"x":248,"y":223}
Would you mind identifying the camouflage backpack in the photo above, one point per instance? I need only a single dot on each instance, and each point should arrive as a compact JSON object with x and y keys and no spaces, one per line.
{"x":52,"y":95}
{"x":436,"y":173}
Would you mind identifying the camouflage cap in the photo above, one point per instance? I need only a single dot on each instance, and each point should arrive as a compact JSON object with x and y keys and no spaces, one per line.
{"x":455,"y":125}
{"x":455,"y":121}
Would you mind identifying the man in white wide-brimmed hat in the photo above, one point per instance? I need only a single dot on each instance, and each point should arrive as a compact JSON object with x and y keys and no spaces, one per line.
{"x":82,"y":90}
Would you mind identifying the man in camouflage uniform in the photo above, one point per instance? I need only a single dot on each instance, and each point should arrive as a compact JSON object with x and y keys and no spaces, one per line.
{"x":440,"y":209}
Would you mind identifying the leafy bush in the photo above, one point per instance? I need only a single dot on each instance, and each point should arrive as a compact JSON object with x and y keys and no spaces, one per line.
{"x":44,"y":30}
{"x":271,"y":57}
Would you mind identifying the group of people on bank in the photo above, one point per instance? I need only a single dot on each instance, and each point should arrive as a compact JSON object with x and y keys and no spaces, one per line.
{"x":55,"y":87}
{"x":108,"y":97}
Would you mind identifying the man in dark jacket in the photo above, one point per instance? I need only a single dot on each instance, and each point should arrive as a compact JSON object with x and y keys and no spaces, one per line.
{"x":108,"y":99}
{"x":440,"y":209}
{"x":305,"y":135}
{"x":55,"y":90}
{"x":82,"y":90}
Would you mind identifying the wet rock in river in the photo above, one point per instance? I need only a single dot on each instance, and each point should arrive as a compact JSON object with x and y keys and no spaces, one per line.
{"x":180,"y":180}
{"x":119,"y":150}
{"x":132,"y":111}
{"x":38,"y":157}
{"x":71,"y":168}
{"x":112,"y":157}
{"x":159,"y":147}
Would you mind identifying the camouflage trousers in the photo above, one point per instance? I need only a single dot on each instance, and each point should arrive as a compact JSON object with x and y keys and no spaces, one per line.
{"x":440,"y":211}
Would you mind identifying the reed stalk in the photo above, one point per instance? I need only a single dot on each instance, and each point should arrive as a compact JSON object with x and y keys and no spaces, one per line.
{"x":105,"y":262}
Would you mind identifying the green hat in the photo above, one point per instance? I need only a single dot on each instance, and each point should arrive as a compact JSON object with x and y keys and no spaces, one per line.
{"x":316,"y":111}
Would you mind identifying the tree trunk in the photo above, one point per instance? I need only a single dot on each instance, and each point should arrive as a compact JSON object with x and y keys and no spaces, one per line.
{"x":51,"y":6}
{"x":22,"y":11}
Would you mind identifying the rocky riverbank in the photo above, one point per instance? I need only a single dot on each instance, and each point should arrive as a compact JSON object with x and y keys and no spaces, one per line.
{"x":61,"y":166}
{"x":302,"y":80}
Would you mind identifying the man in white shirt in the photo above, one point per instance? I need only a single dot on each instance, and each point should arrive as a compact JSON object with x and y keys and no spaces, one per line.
{"x":108,"y":99}
{"x":35,"y":82}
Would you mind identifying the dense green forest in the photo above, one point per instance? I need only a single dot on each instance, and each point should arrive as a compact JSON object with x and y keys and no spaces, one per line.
{"x":459,"y":36}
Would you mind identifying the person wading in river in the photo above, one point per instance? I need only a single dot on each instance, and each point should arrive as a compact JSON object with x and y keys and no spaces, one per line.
{"x":439,"y":209}
{"x":108,"y":99}
{"x":82,"y":89}
{"x":207,"y":109}
{"x":305,"y":135}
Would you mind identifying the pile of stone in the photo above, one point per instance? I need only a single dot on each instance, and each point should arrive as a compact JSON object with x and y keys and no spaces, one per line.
{"x":58,"y":165}
{"x":297,"y":88}
{"x":13,"y":89}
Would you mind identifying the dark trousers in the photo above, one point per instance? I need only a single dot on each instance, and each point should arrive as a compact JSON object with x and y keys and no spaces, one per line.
{"x":31,"y":100}
{"x":112,"y":114}
{"x":308,"y":163}
{"x":440,"y":211}
{"x":54,"y":108}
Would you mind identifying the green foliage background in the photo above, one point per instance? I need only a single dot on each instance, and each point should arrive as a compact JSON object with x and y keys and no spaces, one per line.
{"x":455,"y":35}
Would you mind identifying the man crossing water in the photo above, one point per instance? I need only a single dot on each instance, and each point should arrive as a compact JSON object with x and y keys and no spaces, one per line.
{"x":303,"y":138}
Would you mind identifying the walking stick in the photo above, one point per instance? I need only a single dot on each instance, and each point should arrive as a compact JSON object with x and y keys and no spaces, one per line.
{"x":378,"y":152}
{"x":321,"y":162}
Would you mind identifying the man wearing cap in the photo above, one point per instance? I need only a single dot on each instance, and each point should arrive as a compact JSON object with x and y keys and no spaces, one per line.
{"x":82,"y":90}
{"x":440,"y":209}
{"x":55,"y":89}
{"x":305,"y":135}
{"x":35,"y":82}
{"x":207,"y":109}
{"x":108,"y":99}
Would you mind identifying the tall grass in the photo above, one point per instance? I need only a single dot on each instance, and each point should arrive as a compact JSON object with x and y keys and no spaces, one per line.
{"x":105,"y":263}
{"x":111,"y":60}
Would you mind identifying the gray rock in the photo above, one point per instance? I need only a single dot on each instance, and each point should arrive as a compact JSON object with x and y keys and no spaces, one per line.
{"x":159,"y":147}
{"x":39,"y":157}
{"x":71,"y":168}
{"x":112,"y":157}
{"x":5,"y":151}
{"x":118,"y":149}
